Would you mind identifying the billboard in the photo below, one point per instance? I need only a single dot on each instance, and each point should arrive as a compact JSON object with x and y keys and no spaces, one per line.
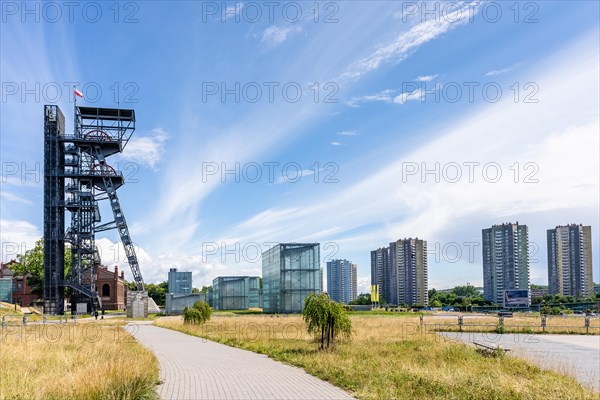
{"x":516,"y":298}
{"x":374,"y":293}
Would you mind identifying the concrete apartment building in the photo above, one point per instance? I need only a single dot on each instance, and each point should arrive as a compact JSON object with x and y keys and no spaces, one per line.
{"x":341,"y":281}
{"x":505,"y":260}
{"x":400,"y":270}
{"x":408,"y":260}
{"x":380,"y":273}
{"x":570,"y":260}
{"x":290,"y":272}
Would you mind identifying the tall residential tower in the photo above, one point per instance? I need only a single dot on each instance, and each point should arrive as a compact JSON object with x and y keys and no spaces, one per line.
{"x":505,"y":260}
{"x":570,"y":260}
{"x":400,"y":271}
{"x":408,"y":260}
{"x":341,"y":281}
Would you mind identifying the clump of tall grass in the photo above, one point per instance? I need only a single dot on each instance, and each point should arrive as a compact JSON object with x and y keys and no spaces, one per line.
{"x":75,"y":361}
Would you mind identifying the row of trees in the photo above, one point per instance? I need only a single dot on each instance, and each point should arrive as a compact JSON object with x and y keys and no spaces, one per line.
{"x":560,"y":299}
{"x":459,"y":296}
{"x":31,"y":265}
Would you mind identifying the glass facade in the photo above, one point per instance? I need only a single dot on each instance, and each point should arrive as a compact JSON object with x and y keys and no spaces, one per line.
{"x":6,"y":287}
{"x":175,"y":303}
{"x":290,"y":272}
{"x":180,"y":282}
{"x":236,"y":292}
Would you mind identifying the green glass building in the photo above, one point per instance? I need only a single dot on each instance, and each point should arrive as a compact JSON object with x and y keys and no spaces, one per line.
{"x":6,"y":290}
{"x":236,"y":293}
{"x":290,"y":272}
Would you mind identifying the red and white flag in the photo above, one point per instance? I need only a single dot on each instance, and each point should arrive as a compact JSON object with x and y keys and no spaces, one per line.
{"x":77,"y":93}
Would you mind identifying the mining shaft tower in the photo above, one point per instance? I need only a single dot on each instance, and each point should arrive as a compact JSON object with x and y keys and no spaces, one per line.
{"x":77,"y":176}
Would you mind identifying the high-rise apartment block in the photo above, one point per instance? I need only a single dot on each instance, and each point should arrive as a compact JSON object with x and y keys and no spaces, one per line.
{"x":505,"y":260}
{"x":341,"y":281}
{"x":570,"y":260}
{"x":400,"y":271}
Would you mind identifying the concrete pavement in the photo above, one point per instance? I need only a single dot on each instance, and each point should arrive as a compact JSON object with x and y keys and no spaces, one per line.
{"x":575,"y":355}
{"x":194,"y":368}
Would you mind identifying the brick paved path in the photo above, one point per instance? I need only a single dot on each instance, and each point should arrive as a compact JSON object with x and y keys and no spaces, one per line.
{"x":195,"y":368}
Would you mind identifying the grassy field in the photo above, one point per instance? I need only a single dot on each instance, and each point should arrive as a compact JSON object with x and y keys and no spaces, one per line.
{"x":75,"y":361}
{"x":389,"y":358}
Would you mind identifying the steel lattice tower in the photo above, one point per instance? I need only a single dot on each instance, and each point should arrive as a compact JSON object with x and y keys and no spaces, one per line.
{"x":76,"y":164}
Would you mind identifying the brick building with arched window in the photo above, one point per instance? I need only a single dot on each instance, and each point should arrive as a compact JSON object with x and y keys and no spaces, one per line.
{"x":111,"y":287}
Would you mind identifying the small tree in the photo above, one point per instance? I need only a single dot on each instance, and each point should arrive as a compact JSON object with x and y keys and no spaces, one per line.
{"x":199,"y":313}
{"x":31,"y":266}
{"x":325,"y":319}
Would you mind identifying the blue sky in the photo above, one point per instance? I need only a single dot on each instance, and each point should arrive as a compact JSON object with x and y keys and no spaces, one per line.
{"x":472,"y":89}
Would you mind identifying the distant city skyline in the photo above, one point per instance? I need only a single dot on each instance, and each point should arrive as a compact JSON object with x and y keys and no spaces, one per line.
{"x":398,"y":132}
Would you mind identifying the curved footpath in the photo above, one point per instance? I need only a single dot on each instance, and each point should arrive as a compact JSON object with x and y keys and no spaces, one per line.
{"x":194,"y":368}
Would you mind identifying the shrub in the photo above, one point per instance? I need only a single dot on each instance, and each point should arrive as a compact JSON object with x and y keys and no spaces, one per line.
{"x":325,"y":319}
{"x":199,"y":313}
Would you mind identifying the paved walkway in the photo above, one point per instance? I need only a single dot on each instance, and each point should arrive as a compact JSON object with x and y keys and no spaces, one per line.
{"x":575,"y":355}
{"x":193,"y":368}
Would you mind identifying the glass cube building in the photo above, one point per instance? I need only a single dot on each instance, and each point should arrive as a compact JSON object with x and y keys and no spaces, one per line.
{"x":290,"y":272}
{"x":236,"y":293}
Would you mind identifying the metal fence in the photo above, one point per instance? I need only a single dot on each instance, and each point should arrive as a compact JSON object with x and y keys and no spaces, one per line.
{"x":501,"y":323}
{"x":23,"y":320}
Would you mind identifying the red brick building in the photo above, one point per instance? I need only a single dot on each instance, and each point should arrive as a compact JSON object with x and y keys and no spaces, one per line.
{"x":21,"y":291}
{"x":111,"y":287}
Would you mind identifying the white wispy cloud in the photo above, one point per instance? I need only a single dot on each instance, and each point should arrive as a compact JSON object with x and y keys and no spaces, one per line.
{"x":497,"y":72}
{"x":146,"y":150}
{"x":426,"y":78}
{"x":155,"y":266}
{"x":388,"y":96}
{"x":14,"y":198}
{"x":233,"y":11}
{"x":335,"y":143}
{"x":16,"y":237}
{"x":347,"y":133}
{"x":407,"y":42}
{"x":385,"y":96}
{"x":274,"y":35}
{"x":430,"y":209}
{"x":409,"y":96}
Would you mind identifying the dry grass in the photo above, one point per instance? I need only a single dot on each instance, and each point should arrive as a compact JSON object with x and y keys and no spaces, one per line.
{"x":75,"y":361}
{"x":9,"y":309}
{"x":388,"y":358}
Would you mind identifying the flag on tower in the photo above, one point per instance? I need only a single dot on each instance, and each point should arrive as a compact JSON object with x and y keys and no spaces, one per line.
{"x":77,"y":92}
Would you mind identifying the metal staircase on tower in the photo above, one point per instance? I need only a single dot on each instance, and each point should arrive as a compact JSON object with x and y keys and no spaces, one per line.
{"x":77,"y":177}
